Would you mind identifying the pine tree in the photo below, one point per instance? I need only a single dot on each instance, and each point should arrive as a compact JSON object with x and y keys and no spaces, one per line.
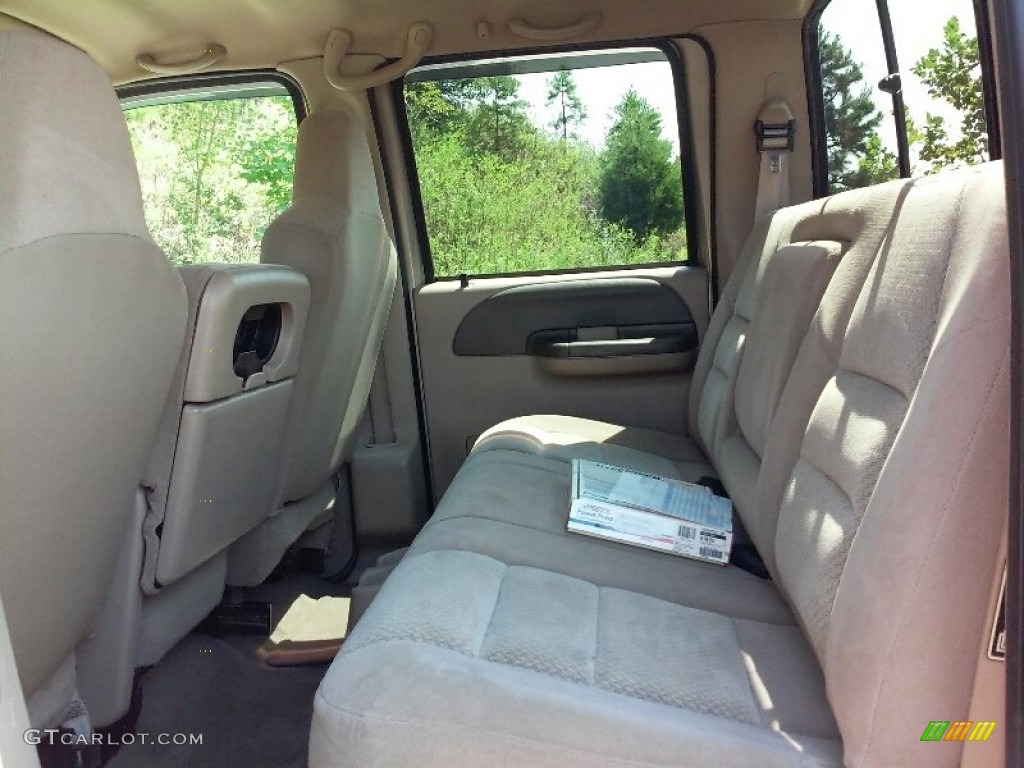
{"x":562,"y":93}
{"x":851,"y":121}
{"x":640,"y":181}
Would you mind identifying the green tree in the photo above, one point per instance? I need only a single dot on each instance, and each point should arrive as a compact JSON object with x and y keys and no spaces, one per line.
{"x":562,"y":93}
{"x":440,"y":108}
{"x":269,"y":159}
{"x":876,"y":165}
{"x":639,"y":188}
{"x":856,"y":156}
{"x":952,"y":73}
{"x":498,"y":123}
{"x":214,"y":173}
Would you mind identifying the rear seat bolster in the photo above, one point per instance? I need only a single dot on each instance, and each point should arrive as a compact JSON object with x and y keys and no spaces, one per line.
{"x":909,"y":614}
{"x":864,"y":218}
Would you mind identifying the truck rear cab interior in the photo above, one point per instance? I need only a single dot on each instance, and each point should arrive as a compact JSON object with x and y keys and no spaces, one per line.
{"x":750,"y":249}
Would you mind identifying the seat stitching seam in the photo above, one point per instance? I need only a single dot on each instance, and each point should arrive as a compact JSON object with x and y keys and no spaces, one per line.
{"x":597,"y":584}
{"x":509,"y":460}
{"x":871,"y":378}
{"x":57,"y":235}
{"x":746,"y":672}
{"x":494,"y":609}
{"x":831,"y":480}
{"x":941,"y":300}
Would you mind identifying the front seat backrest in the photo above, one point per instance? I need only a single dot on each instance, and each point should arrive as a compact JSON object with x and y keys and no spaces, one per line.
{"x":93,"y":319}
{"x":334,"y":234}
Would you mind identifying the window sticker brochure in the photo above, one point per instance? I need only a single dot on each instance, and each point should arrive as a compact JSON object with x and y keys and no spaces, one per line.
{"x":650,"y":511}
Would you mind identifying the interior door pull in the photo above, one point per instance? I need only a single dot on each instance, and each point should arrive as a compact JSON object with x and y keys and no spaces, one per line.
{"x":652,"y":345}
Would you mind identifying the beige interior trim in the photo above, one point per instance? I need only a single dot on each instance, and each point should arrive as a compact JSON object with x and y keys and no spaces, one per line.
{"x":262,"y":33}
{"x":339,"y":41}
{"x":587,"y":23}
{"x":209,"y":56}
{"x":226,"y":298}
{"x":741,"y":49}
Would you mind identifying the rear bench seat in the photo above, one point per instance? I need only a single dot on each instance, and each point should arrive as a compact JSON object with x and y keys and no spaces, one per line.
{"x":852,"y":395}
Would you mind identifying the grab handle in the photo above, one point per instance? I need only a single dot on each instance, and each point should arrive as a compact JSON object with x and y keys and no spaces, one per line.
{"x":213,"y":53}
{"x":340,"y":40}
{"x":523,"y":28}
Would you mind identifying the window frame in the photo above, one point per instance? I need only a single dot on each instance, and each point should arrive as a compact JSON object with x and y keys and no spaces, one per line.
{"x":182,"y":89}
{"x":816,"y":105}
{"x":183,"y":84}
{"x":688,"y":183}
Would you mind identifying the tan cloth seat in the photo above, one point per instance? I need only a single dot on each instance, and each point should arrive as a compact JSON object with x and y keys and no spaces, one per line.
{"x":334,"y":234}
{"x":500,"y":639}
{"x":94,"y":319}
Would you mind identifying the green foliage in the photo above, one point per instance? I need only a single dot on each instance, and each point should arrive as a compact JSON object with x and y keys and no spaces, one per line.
{"x":486,"y":215}
{"x":953,"y":74}
{"x":507,"y":198}
{"x":562,"y":93}
{"x":876,"y":165}
{"x":640,"y":183}
{"x":497,"y":120}
{"x":856,"y":156}
{"x":440,"y":107}
{"x":214,"y":173}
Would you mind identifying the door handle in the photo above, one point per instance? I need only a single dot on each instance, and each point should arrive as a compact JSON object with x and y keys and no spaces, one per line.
{"x":650,"y":345}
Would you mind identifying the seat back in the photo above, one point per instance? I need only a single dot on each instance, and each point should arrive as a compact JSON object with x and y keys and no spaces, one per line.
{"x":212,"y":476}
{"x":334,"y":234}
{"x":886,"y":470}
{"x":93,"y":320}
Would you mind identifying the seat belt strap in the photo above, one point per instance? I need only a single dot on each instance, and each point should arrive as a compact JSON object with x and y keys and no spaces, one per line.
{"x":775,"y":131}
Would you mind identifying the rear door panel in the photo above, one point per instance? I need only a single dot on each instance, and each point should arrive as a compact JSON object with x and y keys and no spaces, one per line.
{"x":616,"y":346}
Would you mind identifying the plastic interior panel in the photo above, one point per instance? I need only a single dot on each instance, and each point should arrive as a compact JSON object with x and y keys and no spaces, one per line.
{"x":230,"y":293}
{"x":511,"y":322}
{"x":225,"y":475}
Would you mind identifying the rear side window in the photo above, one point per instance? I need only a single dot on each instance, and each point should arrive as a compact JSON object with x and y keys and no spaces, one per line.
{"x":215,"y":169}
{"x":545,"y":163}
{"x":901,"y":89}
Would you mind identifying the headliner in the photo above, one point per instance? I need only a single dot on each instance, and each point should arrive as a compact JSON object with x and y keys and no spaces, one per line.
{"x":265,"y":33}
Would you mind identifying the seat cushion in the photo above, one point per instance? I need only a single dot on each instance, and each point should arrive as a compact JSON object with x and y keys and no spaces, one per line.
{"x":513,"y":506}
{"x":465,"y":660}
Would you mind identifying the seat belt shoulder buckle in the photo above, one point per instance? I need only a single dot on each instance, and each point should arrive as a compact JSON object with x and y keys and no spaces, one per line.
{"x":775,"y":137}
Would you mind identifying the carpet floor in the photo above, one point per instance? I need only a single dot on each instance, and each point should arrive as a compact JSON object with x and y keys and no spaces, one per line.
{"x":248,"y":714}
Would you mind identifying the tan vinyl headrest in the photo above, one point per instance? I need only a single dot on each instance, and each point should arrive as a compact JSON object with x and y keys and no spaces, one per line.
{"x":333,"y":165}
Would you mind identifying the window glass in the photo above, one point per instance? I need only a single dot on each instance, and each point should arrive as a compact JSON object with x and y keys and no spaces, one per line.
{"x":214,"y":173}
{"x":942,"y":83}
{"x":548,"y":163}
{"x":940,"y":88}
{"x":860,"y":129}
